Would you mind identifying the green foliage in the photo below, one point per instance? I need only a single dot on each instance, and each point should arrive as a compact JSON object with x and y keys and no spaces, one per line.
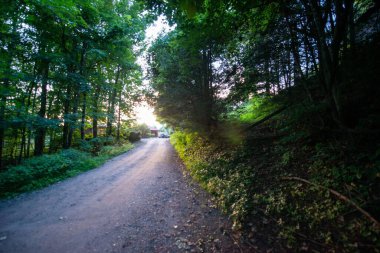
{"x":255,"y":109}
{"x":225,"y":60}
{"x":279,"y":54}
{"x":111,"y":151}
{"x":38,"y":172}
{"x":134,"y":136}
{"x":181,"y":72}
{"x":143,"y":129}
{"x":66,"y":66}
{"x":218,"y":172}
{"x":247,"y":185}
{"x":312,"y":210}
{"x":95,"y":145}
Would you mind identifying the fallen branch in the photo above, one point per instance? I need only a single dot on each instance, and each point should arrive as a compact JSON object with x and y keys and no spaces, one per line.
{"x":341,"y":197}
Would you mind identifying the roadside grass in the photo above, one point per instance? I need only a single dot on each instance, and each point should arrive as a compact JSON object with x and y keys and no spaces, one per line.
{"x":38,"y":172}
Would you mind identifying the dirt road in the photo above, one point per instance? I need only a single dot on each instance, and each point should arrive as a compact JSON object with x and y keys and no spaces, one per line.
{"x":137,"y":202}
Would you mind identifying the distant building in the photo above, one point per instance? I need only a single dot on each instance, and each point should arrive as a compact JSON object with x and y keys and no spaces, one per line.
{"x":154,"y":131}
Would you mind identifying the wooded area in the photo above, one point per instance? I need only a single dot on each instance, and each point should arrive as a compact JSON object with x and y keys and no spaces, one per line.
{"x":275,"y":104}
{"x":67,"y":68}
{"x":242,"y":48}
{"x":261,"y":92}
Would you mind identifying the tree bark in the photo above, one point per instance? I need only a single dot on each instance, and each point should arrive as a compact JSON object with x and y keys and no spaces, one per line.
{"x":74,"y":119}
{"x":119,"y":118}
{"x":24,"y":129}
{"x":329,"y":53}
{"x":41,"y":130}
{"x":83,"y":118}
{"x":95,"y":112}
{"x":294,"y":44}
{"x":29,"y":131}
{"x":111,"y":111}
{"x":84,"y":94}
{"x":66,"y":110}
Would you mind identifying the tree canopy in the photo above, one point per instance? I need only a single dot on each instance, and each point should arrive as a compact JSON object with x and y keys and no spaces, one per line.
{"x":274,"y":104}
{"x":67,"y":67}
{"x":224,"y":52}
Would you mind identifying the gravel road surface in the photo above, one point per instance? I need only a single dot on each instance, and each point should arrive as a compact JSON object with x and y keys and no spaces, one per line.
{"x":141,"y":201}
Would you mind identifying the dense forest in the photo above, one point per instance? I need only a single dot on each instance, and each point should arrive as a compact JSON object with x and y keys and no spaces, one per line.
{"x":67,"y":69}
{"x":275,"y":104}
{"x":276,"y":109}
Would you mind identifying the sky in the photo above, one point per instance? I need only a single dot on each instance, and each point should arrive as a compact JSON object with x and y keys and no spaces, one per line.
{"x":145,"y":113}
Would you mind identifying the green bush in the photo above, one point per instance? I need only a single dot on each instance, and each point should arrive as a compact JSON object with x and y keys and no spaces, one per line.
{"x":85,"y":145}
{"x":38,"y":172}
{"x":134,"y":136}
{"x":95,"y":145}
{"x":111,"y":151}
{"x":250,"y":184}
{"x":217,"y":171}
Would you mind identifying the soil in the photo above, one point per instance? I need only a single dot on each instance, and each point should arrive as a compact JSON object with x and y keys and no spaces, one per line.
{"x":141,"y":201}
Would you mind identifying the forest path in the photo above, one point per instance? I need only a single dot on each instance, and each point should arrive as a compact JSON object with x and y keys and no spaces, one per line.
{"x":141,"y":201}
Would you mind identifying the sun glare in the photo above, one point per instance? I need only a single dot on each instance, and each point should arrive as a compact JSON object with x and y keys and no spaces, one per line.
{"x":145,"y":115}
{"x":159,"y":26}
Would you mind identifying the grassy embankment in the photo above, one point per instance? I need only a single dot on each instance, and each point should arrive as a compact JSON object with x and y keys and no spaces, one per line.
{"x":289,"y":181}
{"x":38,"y":172}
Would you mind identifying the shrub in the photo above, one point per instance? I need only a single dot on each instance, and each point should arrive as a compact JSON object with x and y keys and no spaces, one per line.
{"x":249,"y":183}
{"x":95,"y":145}
{"x":85,"y":145}
{"x":115,"y":150}
{"x":217,"y":171}
{"x":37,"y":172}
{"x":134,"y":136}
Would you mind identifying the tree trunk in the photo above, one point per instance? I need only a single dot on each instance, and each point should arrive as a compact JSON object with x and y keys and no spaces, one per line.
{"x":111,"y":111}
{"x":95,"y":113}
{"x":119,"y":118}
{"x":73,"y":119}
{"x":329,"y":54}
{"x":66,"y":124}
{"x":24,"y":129}
{"x":29,"y":130}
{"x":22,"y":145}
{"x":84,"y":96}
{"x":266,"y":69}
{"x":207,"y":90}
{"x":41,"y":130}
{"x":83,"y":118}
{"x":298,"y":74}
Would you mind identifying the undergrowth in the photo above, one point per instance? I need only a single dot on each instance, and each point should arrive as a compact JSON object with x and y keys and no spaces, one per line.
{"x":38,"y":172}
{"x":256,"y":182}
{"x":221,"y":172}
